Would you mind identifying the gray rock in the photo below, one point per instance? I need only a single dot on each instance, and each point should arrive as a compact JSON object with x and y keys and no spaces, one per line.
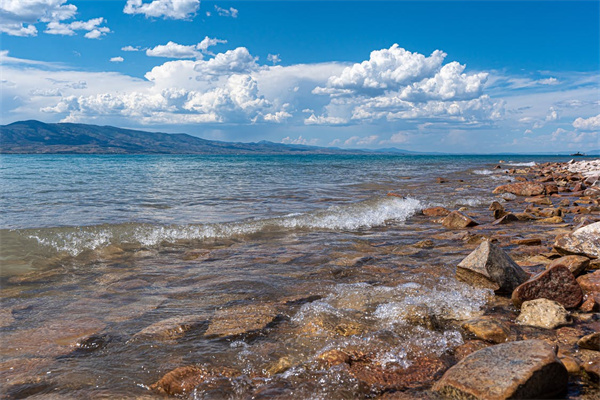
{"x":543,"y":313}
{"x":490,"y":267}
{"x":584,"y":241}
{"x":526,"y":369}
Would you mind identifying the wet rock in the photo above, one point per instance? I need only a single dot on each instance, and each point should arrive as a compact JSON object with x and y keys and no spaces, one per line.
{"x":591,"y":302}
{"x":171,"y":328}
{"x":505,"y":219}
{"x":521,"y":189}
{"x":543,"y":313}
{"x":508,"y":196}
{"x":436,"y":212}
{"x":591,"y":341}
{"x":527,"y":242}
{"x":550,"y":188}
{"x":584,"y":241}
{"x":590,"y":282}
{"x":576,"y":264}
{"x":556,"y":283}
{"x":496,"y":206}
{"x":523,"y":369}
{"x":441,"y":180}
{"x":470,"y":346}
{"x":281,"y":365}
{"x":486,"y":328}
{"x":549,"y":212}
{"x":183,"y":380}
{"x":424,"y":244}
{"x":593,"y":369}
{"x":240,"y":320}
{"x":334,"y":357}
{"x":525,"y":216}
{"x":551,"y":220}
{"x":490,"y":267}
{"x":457,"y":220}
{"x":593,"y":192}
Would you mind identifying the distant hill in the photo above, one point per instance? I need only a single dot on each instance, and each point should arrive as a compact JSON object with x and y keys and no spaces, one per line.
{"x":35,"y":137}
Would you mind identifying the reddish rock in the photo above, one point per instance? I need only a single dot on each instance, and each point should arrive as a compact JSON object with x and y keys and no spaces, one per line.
{"x":524,"y":369}
{"x":183,"y":380}
{"x":436,"y":212}
{"x":549,"y":212}
{"x":550,"y":188}
{"x":590,"y":282}
{"x":556,"y":283}
{"x":591,"y":302}
{"x":521,"y":189}
{"x":458,"y":220}
{"x":527,"y":242}
{"x":541,"y":200}
{"x":470,"y":346}
{"x":486,"y":328}
{"x":334,"y":357}
{"x":578,"y":187}
{"x":576,"y":264}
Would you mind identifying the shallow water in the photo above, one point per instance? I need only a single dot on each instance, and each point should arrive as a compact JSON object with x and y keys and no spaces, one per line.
{"x":275,"y":260}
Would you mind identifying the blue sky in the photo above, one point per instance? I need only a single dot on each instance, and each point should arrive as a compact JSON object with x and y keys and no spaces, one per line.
{"x":473,"y":76}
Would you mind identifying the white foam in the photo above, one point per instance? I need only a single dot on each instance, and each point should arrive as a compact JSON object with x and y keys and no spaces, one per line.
{"x":522,"y":164}
{"x":483,"y":172}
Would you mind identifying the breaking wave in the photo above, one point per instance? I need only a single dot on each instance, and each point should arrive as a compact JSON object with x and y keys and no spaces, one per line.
{"x":521,"y":164}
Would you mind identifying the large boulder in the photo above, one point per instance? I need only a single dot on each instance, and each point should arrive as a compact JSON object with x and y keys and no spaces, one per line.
{"x":490,"y":267}
{"x":543,"y":313}
{"x":526,"y":369}
{"x":584,"y":241}
{"x":556,"y":283}
{"x":522,"y":189}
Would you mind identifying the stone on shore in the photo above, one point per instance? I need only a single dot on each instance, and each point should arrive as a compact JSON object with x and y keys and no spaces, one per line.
{"x":523,"y":369}
{"x":505,"y":219}
{"x":436,"y":212}
{"x":528,"y":189}
{"x":591,"y":341}
{"x":556,"y":283}
{"x":590,"y":282}
{"x":576,"y":264}
{"x":490,"y":267}
{"x":591,"y":302}
{"x":458,"y":220}
{"x":584,"y":241}
{"x":543,"y":313}
{"x":486,"y":328}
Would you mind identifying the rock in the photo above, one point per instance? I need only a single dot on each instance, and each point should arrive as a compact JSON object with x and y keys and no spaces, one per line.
{"x":470,"y":346}
{"x":240,"y":320}
{"x":584,"y":241}
{"x":496,"y":206}
{"x":590,"y":282}
{"x":505,"y":219}
{"x":334,"y":357}
{"x":593,"y":369}
{"x":556,"y":283}
{"x":551,"y":220}
{"x":524,"y":369}
{"x":550,"y":188}
{"x":593,"y":192}
{"x":521,"y":189}
{"x":527,"y":242}
{"x":436,"y":212}
{"x":576,"y":264}
{"x":591,"y":341}
{"x":508,"y":196}
{"x":490,"y":267}
{"x":591,"y":302}
{"x":441,"y":180}
{"x":183,"y":380}
{"x":525,"y":216}
{"x":486,"y":328}
{"x":424,"y":244}
{"x":171,"y":328}
{"x":543,"y":313}
{"x":282,"y":365}
{"x":457,"y":220}
{"x":549,"y":212}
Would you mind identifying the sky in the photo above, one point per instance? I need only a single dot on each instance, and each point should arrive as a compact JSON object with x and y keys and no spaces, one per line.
{"x":451,"y":76}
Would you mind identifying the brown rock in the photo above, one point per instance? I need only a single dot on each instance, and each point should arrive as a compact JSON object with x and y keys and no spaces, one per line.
{"x":505,"y":219}
{"x":424,"y":244}
{"x":240,"y":320}
{"x":521,"y":189}
{"x":183,"y":380}
{"x":436,"y":212}
{"x":334,"y":357}
{"x":488,"y":329}
{"x":551,"y":220}
{"x":551,"y":188}
{"x":525,"y":216}
{"x":591,"y":302}
{"x":556,"y":283}
{"x":591,"y":341}
{"x":496,"y":206}
{"x":527,"y":242}
{"x":584,"y":241}
{"x":171,"y":328}
{"x":489,"y":266}
{"x":593,"y":192}
{"x":541,"y":200}
{"x":549,"y":212}
{"x":593,"y":369}
{"x":524,"y":369}
{"x":441,"y":180}
{"x":590,"y":282}
{"x":576,"y":264}
{"x":470,"y":346}
{"x":457,"y":220}
{"x":543,"y":313}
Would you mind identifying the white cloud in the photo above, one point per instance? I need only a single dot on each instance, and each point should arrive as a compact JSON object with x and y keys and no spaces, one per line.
{"x":117,"y":59}
{"x":208,"y":42}
{"x":548,"y":81}
{"x":131,"y":48}
{"x":18,"y":29}
{"x":93,"y":28}
{"x":552,"y":115}
{"x":224,"y":12}
{"x":300,"y":140}
{"x":324,"y":120}
{"x":168,"y":9}
{"x":400,"y":137}
{"x":587,"y":124}
{"x":361,"y":141}
{"x":274,"y":58}
{"x":175,"y":50}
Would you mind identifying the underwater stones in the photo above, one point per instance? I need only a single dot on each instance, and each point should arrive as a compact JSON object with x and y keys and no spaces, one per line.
{"x":591,"y":341}
{"x":435,"y":212}
{"x":556,"y":283}
{"x":521,"y":189}
{"x":584,"y":241}
{"x":170,"y":328}
{"x":458,"y":220}
{"x":490,"y":267}
{"x":486,"y":328}
{"x":241,"y":319}
{"x":522,"y":369}
{"x":183,"y":380}
{"x":334,"y":357}
{"x":543,"y":313}
{"x":590,"y":282}
{"x":576,"y":264}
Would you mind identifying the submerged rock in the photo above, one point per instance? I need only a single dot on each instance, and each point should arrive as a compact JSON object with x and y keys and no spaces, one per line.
{"x":486,"y":328}
{"x":490,"y":267}
{"x":171,"y":328}
{"x":458,"y":220}
{"x":543,"y":313}
{"x":522,"y":189}
{"x":240,"y":320}
{"x":584,"y":241}
{"x":556,"y":283}
{"x":183,"y":380}
{"x":524,"y":369}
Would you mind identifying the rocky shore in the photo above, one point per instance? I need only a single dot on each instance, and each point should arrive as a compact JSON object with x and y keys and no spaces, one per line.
{"x":522,"y":321}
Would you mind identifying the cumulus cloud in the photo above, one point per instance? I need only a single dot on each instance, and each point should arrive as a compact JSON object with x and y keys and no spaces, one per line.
{"x":324,"y":120}
{"x":117,"y":59}
{"x":167,"y":9}
{"x":93,"y":28}
{"x":361,"y":141}
{"x":299,"y":140}
{"x":587,"y":124}
{"x":227,"y":12}
{"x":175,"y":50}
{"x":274,"y":58}
{"x":131,"y":48}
